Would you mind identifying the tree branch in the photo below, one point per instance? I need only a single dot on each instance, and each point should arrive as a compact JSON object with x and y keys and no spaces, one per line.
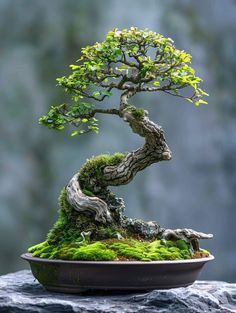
{"x":106,"y":111}
{"x":125,"y":96}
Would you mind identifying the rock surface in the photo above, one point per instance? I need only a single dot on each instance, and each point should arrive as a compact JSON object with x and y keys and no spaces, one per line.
{"x":20,"y":292}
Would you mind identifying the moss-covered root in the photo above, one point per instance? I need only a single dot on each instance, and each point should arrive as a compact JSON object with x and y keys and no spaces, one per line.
{"x":111,"y":250}
{"x":71,"y":224}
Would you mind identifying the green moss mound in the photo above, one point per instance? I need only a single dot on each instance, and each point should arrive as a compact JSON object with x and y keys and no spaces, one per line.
{"x":111,"y":250}
{"x":138,"y":113}
{"x":66,"y":240}
{"x":70,"y":224}
{"x":93,"y":168}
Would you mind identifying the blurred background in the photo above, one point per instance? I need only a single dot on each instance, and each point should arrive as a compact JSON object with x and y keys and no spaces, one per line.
{"x":38,"y":40}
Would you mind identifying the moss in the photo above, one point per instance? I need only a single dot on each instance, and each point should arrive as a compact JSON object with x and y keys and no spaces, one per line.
{"x":133,"y":250}
{"x":182,"y":245}
{"x":205,"y":251}
{"x":94,"y":252}
{"x":38,"y":247}
{"x":108,"y":232}
{"x":113,"y":249}
{"x":94,"y":168}
{"x":88,"y":193}
{"x":174,"y":250}
{"x":45,"y":255}
{"x":64,"y":241}
{"x":138,"y":113}
{"x":153,"y":246}
{"x":70,"y":224}
{"x":54,"y":254}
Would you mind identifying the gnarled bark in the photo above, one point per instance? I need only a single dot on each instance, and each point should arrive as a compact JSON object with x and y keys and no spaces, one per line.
{"x":82,"y":203}
{"x":189,"y":235}
{"x":154,"y":150}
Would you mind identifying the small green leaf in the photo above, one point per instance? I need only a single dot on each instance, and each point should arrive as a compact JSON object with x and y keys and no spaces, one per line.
{"x":202,"y":92}
{"x":60,"y":127}
{"x":74,"y":67}
{"x":156,"y":83}
{"x":141,"y":58}
{"x":94,"y":128}
{"x":74,"y":133}
{"x":200,"y":101}
{"x":96,"y":94}
{"x":189,"y":100}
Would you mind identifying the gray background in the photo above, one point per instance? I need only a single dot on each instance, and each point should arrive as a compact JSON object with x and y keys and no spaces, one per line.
{"x":38,"y":40}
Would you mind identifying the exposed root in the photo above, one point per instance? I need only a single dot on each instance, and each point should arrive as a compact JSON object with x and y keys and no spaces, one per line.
{"x":82,"y":203}
{"x":189,"y":235}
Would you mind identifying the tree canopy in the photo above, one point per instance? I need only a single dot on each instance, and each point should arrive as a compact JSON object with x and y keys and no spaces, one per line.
{"x":130,"y":61}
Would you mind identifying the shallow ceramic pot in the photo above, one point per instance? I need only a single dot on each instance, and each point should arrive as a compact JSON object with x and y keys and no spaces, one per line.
{"x":80,"y":276}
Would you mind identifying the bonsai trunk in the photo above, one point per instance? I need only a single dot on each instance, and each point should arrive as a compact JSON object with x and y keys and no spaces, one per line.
{"x":154,"y":150}
{"x":88,"y":208}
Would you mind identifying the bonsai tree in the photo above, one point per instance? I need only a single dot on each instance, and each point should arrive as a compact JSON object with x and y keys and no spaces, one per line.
{"x":91,"y":223}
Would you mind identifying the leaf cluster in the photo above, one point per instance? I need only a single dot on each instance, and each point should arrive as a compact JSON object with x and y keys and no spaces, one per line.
{"x":131,"y":61}
{"x":78,"y":115}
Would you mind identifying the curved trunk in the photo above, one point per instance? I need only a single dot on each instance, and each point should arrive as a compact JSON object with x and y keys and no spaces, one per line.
{"x":154,"y":150}
{"x":82,"y":203}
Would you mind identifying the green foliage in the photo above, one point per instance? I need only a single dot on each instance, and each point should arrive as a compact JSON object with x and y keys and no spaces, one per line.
{"x":109,"y":250}
{"x":130,"y":59}
{"x":79,"y":116}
